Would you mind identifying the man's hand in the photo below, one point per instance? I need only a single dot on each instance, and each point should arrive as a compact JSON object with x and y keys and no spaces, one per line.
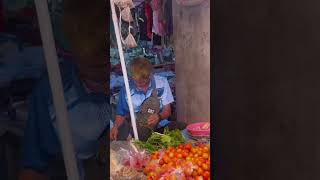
{"x":113,"y":133}
{"x":153,"y":119}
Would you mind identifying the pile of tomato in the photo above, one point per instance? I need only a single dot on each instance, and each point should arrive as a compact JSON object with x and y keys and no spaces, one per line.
{"x":192,"y":161}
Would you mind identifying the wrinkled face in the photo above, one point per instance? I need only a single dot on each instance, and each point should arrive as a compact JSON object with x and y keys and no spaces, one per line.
{"x":142,"y":83}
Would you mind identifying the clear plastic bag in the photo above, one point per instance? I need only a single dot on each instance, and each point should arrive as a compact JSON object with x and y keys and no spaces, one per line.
{"x":129,"y":161}
{"x":136,"y":160}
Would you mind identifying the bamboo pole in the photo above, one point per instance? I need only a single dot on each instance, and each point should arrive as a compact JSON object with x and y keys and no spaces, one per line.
{"x":57,"y":89}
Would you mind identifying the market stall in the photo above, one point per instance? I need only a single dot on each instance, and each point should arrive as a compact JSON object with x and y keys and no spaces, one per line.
{"x":171,"y":155}
{"x":175,"y":153}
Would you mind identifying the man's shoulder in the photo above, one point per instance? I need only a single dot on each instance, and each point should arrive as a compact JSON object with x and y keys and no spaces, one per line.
{"x":160,"y":79}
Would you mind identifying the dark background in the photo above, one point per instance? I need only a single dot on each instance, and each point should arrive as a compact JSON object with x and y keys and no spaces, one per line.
{"x":266,"y":89}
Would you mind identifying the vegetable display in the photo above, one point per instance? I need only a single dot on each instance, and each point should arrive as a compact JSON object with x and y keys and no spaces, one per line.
{"x":159,"y":141}
{"x":184,"y":162}
{"x":163,"y":157}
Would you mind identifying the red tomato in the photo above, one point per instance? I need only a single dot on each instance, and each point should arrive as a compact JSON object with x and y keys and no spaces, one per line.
{"x":174,"y":159}
{"x":206,"y":175}
{"x":155,"y":157}
{"x":179,"y":156}
{"x":170,"y":164}
{"x":205,"y":155}
{"x":206,"y":149}
{"x":176,"y":154}
{"x":199,"y":163}
{"x":167,"y":151}
{"x":187,"y":146}
{"x":146,"y":170}
{"x":166,"y":159}
{"x":188,"y":172}
{"x":199,"y":171}
{"x":205,"y":167}
{"x":180,"y":146}
{"x":184,"y":154}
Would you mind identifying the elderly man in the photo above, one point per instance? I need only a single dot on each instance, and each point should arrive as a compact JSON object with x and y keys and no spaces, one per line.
{"x":143,"y":86}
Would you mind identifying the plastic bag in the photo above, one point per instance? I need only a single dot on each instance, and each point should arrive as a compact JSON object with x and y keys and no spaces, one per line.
{"x":136,"y":160}
{"x":127,"y":173}
{"x":126,"y":14}
{"x":126,"y":161}
{"x":124,"y":3}
{"x":130,"y":42}
{"x":115,"y":164}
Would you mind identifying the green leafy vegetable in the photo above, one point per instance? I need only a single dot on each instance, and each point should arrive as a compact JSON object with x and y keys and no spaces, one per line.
{"x":158,"y":141}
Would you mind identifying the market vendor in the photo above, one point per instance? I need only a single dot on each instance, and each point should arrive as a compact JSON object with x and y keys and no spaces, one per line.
{"x":142,"y":84}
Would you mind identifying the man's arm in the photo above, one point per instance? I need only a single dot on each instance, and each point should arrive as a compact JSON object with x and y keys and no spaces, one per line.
{"x":166,"y":112}
{"x":118,"y":121}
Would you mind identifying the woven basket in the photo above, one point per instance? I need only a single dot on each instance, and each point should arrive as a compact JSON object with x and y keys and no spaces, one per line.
{"x":189,"y":2}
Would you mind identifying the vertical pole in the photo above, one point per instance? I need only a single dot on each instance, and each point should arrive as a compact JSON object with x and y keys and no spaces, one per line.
{"x":124,"y":70}
{"x":57,"y":89}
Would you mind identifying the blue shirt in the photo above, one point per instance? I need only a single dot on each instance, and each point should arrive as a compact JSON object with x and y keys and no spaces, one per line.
{"x":163,"y":91}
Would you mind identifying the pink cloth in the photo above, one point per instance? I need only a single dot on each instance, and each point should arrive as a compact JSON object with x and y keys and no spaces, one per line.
{"x":159,"y":23}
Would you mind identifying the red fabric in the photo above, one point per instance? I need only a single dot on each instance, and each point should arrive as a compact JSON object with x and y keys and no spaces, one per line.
{"x":148,"y":14}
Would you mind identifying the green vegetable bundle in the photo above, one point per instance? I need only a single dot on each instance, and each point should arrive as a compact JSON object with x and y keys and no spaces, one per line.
{"x":158,"y":141}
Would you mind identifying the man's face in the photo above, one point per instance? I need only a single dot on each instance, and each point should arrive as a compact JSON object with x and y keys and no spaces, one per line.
{"x":142,"y":83}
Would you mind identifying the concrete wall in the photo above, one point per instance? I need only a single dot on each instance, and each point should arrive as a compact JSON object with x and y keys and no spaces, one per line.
{"x":192,"y":48}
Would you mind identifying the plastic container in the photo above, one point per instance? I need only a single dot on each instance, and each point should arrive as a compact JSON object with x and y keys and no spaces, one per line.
{"x":199,"y":129}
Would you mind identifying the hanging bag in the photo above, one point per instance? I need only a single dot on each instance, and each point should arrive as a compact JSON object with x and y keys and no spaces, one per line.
{"x":125,"y":14}
{"x":124,"y":3}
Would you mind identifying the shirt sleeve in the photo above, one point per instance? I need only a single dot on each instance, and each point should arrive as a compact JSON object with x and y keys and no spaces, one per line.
{"x":167,"y":96}
{"x":122,"y":105}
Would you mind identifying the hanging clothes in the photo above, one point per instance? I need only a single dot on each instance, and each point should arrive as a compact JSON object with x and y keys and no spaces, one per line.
{"x":168,"y":17}
{"x":145,"y":22}
{"x":159,"y":23}
{"x":148,"y":13}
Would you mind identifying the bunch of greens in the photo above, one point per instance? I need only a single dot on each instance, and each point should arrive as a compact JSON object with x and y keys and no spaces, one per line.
{"x":158,"y":141}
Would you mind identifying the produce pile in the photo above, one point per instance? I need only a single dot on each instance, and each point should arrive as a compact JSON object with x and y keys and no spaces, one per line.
{"x":184,"y":162}
{"x":159,"y":141}
{"x":163,"y":157}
